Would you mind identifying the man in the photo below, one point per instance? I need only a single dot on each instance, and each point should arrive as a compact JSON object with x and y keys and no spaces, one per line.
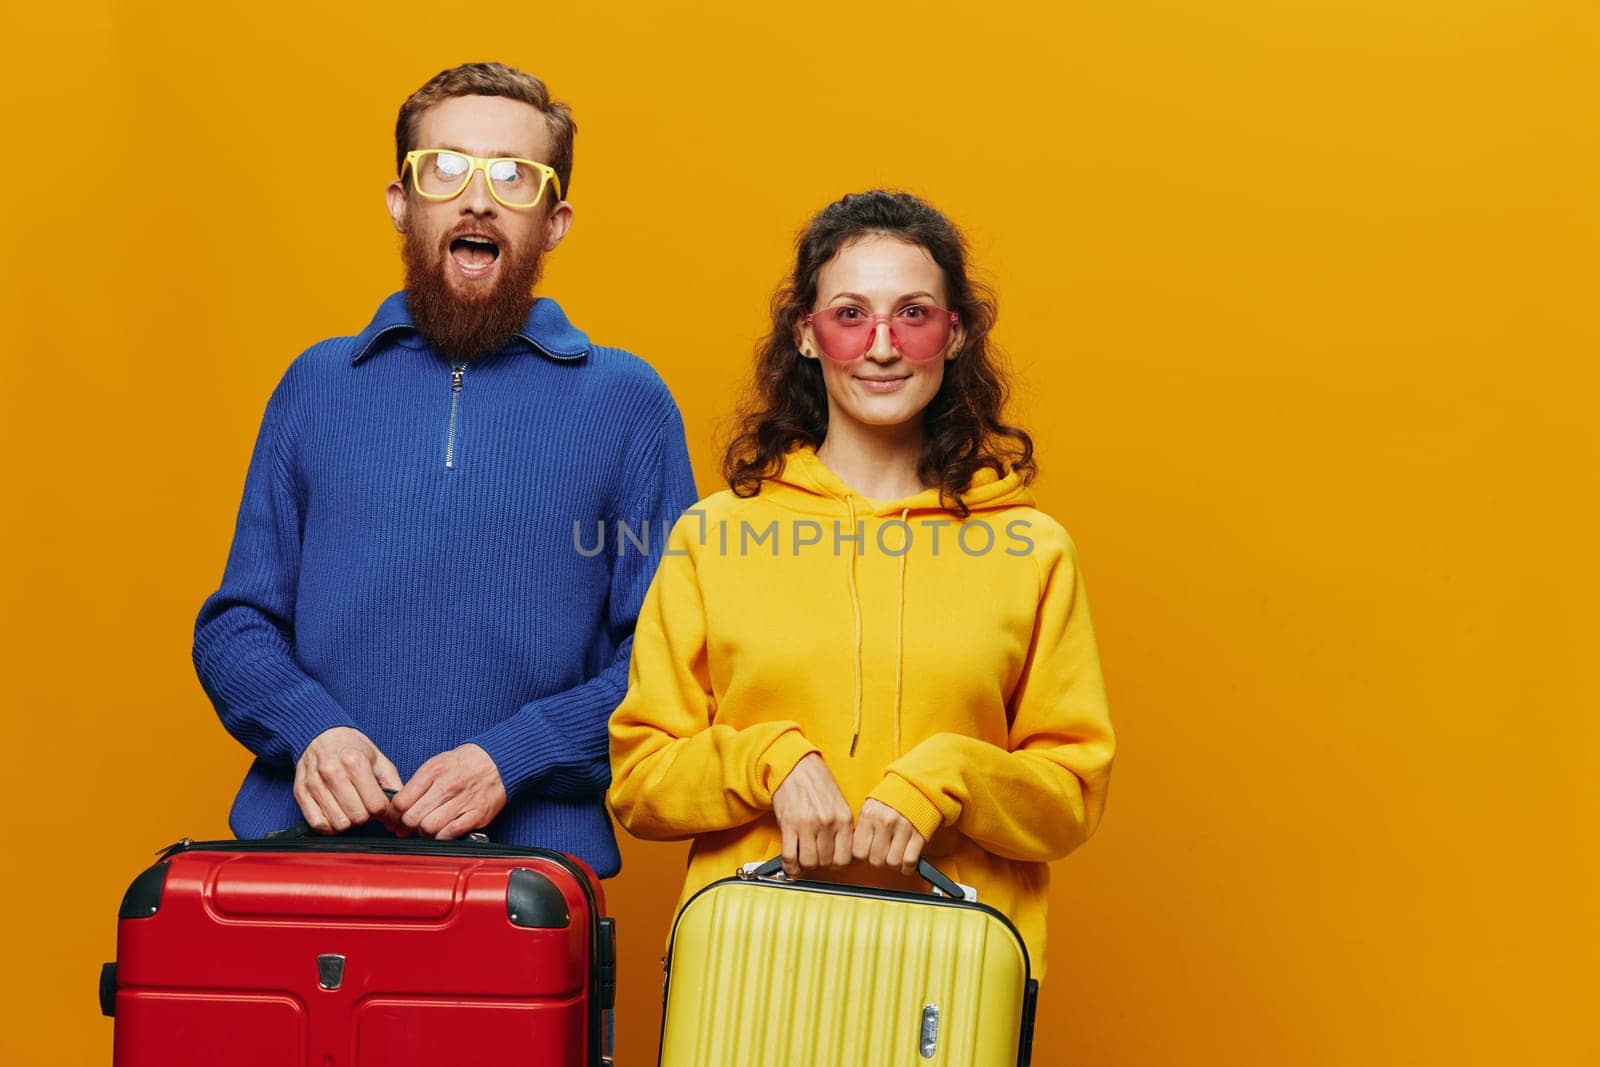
{"x":404,"y":606}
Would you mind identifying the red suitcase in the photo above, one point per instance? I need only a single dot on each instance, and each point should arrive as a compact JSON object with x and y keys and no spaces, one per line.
{"x":359,"y":952}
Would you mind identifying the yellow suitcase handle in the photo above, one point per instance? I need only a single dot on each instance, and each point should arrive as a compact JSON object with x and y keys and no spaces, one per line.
{"x":931,"y":874}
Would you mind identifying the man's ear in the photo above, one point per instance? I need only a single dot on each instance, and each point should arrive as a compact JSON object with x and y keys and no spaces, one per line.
{"x":396,"y":195}
{"x":556,"y":227}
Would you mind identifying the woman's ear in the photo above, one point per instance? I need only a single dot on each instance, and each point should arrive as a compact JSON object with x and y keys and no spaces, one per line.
{"x":805,"y":341}
{"x":958,"y":341}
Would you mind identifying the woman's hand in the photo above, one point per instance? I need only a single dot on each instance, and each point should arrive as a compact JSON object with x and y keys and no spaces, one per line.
{"x":814,"y":818}
{"x":885,"y":838}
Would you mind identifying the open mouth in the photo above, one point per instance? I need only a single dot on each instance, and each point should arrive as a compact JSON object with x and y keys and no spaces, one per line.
{"x":473,"y":253}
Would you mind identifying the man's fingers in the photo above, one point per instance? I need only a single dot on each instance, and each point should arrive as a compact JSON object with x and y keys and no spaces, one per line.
{"x":339,"y":780}
{"x":421,"y":808}
{"x":388,"y":777}
{"x":447,"y":808}
{"x":330,"y":818}
{"x":302,"y":797}
{"x":415,"y":789}
{"x":460,"y":826}
{"x":341,"y":790}
{"x":310,"y":810}
{"x":333,"y":816}
{"x":373,"y":802}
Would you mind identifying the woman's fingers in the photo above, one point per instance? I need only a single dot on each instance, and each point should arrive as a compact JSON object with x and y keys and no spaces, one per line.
{"x":882,"y":841}
{"x":843,"y":834}
{"x":791,"y":851}
{"x":885,"y":838}
{"x":861,"y":840}
{"x":895,"y":854}
{"x":811,"y":809}
{"x":808,"y":848}
{"x":818,"y":830}
{"x":913,"y":853}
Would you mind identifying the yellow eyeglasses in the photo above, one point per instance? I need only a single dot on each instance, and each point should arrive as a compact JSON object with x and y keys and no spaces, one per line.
{"x":441,"y":174}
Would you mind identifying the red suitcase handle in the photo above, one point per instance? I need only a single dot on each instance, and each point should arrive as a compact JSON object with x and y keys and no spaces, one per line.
{"x":303,"y":829}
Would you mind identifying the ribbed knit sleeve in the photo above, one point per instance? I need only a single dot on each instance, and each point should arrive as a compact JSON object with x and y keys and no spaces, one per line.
{"x":557,"y":745}
{"x":244,"y":636}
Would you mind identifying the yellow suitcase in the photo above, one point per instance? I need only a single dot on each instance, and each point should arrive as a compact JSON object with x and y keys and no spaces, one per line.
{"x":766,"y":971}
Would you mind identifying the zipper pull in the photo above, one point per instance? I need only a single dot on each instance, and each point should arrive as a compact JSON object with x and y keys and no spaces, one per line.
{"x":458,"y":371}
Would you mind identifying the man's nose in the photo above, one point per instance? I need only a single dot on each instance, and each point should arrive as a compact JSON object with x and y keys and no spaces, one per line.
{"x":476,"y":199}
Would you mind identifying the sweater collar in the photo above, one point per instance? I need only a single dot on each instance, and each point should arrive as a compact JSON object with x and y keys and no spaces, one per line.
{"x":547,"y":330}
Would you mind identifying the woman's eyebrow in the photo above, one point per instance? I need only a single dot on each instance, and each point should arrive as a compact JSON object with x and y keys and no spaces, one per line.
{"x":858,"y":298}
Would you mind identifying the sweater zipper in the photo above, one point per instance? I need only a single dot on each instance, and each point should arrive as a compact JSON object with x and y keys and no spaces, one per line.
{"x":458,"y":372}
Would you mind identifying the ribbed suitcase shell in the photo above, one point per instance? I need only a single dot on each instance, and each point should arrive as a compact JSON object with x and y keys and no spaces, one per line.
{"x":816,"y":974}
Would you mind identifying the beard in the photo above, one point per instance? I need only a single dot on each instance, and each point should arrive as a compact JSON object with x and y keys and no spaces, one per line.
{"x":481,"y":320}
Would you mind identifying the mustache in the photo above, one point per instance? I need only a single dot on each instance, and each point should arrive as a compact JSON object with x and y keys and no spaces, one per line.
{"x":481,"y":228}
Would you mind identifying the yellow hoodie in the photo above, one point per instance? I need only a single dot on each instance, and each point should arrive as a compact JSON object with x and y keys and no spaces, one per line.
{"x":956,"y":658}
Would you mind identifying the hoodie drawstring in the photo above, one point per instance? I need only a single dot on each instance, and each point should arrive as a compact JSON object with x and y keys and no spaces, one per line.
{"x":855,"y":608}
{"x":900,"y":633}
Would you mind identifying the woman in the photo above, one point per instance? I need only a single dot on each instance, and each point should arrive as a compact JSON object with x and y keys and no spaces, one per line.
{"x":872,"y":647}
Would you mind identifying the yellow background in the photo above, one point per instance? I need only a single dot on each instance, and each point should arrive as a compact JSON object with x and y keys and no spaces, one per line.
{"x":1302,"y":297}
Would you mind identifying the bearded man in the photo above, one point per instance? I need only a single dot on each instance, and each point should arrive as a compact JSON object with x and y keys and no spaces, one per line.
{"x":405,"y":606}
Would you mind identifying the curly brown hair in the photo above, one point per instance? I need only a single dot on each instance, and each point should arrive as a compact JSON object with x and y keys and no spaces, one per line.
{"x":787,"y":404}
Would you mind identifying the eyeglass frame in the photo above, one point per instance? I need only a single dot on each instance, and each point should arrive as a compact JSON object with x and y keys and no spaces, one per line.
{"x":547,"y":174}
{"x":874,"y":321}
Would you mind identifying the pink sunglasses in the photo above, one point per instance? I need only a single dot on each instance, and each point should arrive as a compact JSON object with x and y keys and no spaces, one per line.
{"x":919,"y":332}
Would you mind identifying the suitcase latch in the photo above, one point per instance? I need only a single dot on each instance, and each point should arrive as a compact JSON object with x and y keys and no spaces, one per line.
{"x":330,"y":970}
{"x":930,"y":1031}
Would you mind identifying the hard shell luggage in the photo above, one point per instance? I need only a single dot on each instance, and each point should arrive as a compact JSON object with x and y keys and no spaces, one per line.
{"x":764,"y":970}
{"x":358,"y":952}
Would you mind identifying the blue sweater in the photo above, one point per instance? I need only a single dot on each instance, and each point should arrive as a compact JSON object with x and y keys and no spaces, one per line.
{"x":405,"y":562}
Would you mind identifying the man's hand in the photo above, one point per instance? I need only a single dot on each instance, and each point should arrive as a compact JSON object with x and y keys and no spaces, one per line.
{"x":885,"y":838}
{"x":453,"y":794}
{"x":340,"y":779}
{"x":814,"y":818}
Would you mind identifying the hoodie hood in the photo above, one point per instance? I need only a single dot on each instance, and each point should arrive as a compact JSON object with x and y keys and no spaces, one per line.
{"x":806,"y":484}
